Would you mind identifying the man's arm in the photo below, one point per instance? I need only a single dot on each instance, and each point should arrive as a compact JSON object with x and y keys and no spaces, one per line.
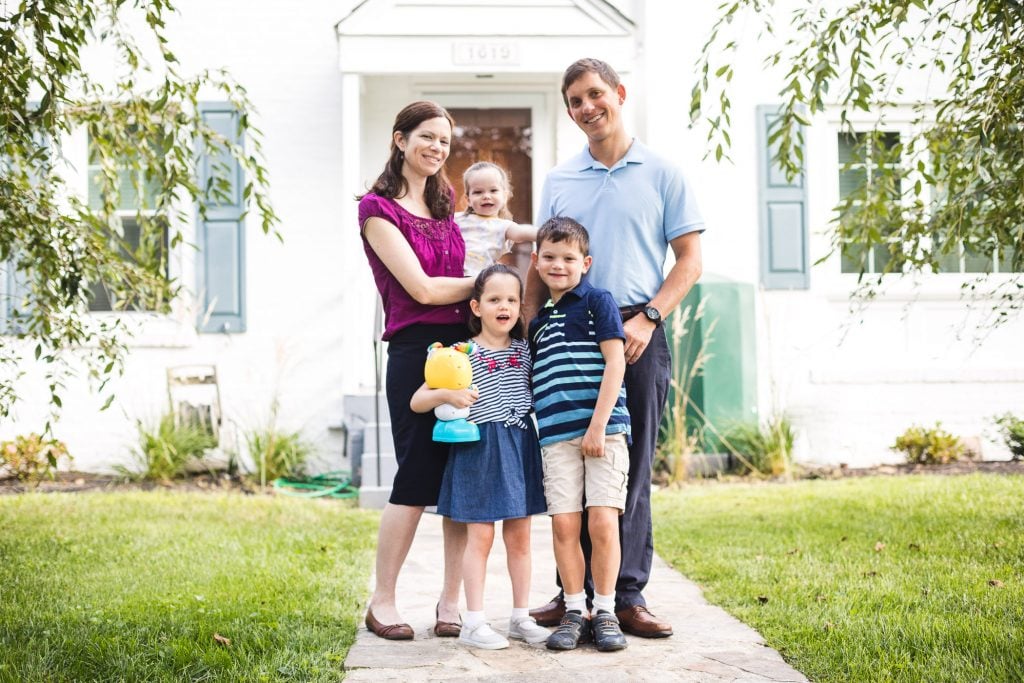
{"x":536,"y":294}
{"x":680,"y":279}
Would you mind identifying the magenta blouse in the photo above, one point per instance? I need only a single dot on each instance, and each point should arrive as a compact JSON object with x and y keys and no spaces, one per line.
{"x":437,"y":244}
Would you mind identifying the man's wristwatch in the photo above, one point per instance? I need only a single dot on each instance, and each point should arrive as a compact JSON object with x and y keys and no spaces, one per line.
{"x":653,"y":314}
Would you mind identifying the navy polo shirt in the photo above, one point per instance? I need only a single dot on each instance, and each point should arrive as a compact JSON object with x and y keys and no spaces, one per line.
{"x":568,"y":366}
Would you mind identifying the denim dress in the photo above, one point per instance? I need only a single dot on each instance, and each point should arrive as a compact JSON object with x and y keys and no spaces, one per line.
{"x":499,"y":476}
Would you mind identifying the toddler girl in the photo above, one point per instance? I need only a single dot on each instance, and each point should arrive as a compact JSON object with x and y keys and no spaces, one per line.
{"x":498,"y":477}
{"x":487,"y":226}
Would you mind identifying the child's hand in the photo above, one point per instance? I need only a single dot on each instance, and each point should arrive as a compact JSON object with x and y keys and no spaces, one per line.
{"x":462,"y":398}
{"x":592,"y":445}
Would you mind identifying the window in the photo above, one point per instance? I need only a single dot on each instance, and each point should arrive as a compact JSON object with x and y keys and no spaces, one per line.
{"x":861,"y":155}
{"x":135,"y":206}
{"x":860,"y":158}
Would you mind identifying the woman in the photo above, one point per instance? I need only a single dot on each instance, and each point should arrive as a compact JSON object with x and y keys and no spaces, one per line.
{"x":416,"y":253}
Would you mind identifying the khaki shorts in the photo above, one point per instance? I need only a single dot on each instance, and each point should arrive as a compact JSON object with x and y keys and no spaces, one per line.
{"x":568,"y":475}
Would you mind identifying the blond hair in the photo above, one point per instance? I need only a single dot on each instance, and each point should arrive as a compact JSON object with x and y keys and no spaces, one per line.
{"x":483,"y":166}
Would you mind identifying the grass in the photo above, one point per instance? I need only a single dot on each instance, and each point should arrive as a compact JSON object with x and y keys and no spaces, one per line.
{"x":917,"y":578}
{"x":134,"y":586}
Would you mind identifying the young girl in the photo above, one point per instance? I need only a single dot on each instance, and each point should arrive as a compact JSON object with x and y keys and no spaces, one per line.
{"x":498,"y":477}
{"x":487,"y":226}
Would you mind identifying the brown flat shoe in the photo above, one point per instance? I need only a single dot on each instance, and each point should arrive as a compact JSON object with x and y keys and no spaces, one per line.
{"x":550,"y":614}
{"x":445,"y":629}
{"x":638,"y":621}
{"x":387,"y":631}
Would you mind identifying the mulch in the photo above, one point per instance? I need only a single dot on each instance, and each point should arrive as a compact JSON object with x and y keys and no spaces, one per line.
{"x":951,"y":468}
{"x":74,"y":482}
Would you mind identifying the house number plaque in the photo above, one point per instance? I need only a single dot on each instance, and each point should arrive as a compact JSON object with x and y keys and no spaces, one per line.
{"x":473,"y":53}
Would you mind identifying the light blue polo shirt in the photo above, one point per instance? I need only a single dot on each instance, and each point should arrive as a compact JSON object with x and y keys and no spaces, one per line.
{"x":632,"y":211}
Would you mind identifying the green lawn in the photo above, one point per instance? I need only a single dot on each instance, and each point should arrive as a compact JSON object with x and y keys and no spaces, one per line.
{"x":905,"y":578}
{"x":134,"y":586}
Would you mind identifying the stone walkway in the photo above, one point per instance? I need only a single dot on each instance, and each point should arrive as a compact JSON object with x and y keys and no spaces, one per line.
{"x":708,"y":645}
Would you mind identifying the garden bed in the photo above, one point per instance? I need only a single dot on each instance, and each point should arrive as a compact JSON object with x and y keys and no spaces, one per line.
{"x":72,"y":482}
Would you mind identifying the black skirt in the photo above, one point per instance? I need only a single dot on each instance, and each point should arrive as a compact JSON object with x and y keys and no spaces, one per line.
{"x":421,"y":460}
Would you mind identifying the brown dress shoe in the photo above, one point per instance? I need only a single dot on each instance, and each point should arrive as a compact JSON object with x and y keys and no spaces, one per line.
{"x":637,"y":621}
{"x":387,"y":631}
{"x":550,"y":614}
{"x":445,"y":629}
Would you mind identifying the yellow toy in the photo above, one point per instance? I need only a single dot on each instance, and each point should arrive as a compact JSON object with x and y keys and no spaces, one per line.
{"x":449,"y":368}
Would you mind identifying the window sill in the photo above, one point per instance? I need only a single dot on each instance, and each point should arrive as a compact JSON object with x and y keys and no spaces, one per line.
{"x":919,"y":375}
{"x":944,"y":287}
{"x":152,"y":330}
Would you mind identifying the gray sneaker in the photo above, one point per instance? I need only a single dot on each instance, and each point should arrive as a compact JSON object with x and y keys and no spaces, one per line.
{"x":573,"y":630}
{"x":526,"y":628}
{"x":483,"y":637}
{"x":607,"y":634}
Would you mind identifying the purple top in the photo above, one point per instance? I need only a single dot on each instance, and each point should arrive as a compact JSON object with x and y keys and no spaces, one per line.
{"x":437,"y":244}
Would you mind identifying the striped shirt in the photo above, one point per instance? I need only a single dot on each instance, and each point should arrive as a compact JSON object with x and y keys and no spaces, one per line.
{"x":568,"y":365}
{"x":503,"y":378}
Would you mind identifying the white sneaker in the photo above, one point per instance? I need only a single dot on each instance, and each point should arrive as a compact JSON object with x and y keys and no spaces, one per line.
{"x":483,"y":637}
{"x":526,"y":628}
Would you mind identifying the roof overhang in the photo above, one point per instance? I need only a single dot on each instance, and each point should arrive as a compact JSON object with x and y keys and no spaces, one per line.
{"x":474,"y":36}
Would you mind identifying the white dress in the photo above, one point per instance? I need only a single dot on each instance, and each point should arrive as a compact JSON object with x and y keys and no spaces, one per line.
{"x":485,"y":240}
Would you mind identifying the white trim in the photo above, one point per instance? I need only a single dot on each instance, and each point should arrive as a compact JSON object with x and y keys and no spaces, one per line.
{"x":826,"y":276}
{"x":175,"y":328}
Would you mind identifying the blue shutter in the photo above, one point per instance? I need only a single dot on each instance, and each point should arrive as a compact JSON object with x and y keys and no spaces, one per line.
{"x":220,"y":271}
{"x":13,"y":293}
{"x":14,"y":286}
{"x":783,"y":215}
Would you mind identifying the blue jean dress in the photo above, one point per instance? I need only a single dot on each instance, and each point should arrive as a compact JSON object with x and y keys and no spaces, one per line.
{"x":498,"y":477}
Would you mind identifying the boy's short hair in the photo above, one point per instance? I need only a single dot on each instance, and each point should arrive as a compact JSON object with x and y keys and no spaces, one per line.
{"x":564,"y":229}
{"x":588,"y":65}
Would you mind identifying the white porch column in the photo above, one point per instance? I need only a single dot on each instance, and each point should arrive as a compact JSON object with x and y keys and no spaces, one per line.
{"x":359,"y":294}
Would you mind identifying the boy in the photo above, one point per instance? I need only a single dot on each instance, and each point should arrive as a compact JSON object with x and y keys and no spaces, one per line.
{"x":579,"y":363}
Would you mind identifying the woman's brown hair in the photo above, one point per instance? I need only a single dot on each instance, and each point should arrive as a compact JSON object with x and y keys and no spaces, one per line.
{"x":391,"y":183}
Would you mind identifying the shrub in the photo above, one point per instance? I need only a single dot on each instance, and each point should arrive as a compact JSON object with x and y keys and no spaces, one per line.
{"x":31,"y":457}
{"x":1012,"y":430}
{"x":165,"y":448}
{"x":929,"y":445}
{"x":278,"y":454}
{"x":762,"y":448}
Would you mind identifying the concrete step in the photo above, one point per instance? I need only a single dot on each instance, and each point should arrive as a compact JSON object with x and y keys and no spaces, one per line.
{"x":368,"y":469}
{"x":370,"y":431}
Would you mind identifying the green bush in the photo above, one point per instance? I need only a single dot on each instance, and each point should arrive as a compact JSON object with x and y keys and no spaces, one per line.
{"x":31,"y":457}
{"x":765,"y":448}
{"x":1012,"y":430}
{"x":166,"y":447}
{"x":929,"y":445}
{"x":278,"y":454}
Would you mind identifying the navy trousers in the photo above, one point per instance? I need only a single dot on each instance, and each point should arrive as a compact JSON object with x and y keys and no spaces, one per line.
{"x":647,"y":383}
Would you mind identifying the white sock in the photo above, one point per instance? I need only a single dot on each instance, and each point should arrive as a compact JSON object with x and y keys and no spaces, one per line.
{"x":471,"y":619}
{"x":520,"y":613}
{"x":577,"y":602}
{"x":604,"y":602}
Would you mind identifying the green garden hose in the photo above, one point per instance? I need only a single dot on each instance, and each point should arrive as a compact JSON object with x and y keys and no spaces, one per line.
{"x":336,"y":484}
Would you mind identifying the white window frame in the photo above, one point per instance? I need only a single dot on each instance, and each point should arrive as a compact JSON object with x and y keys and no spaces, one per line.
{"x":823,"y":162}
{"x":150,"y":329}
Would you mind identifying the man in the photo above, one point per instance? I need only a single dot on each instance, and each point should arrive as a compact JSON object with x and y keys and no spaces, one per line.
{"x":636,"y":206}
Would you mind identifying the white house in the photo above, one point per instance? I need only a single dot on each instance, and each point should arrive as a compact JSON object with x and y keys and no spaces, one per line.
{"x":327,"y":78}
